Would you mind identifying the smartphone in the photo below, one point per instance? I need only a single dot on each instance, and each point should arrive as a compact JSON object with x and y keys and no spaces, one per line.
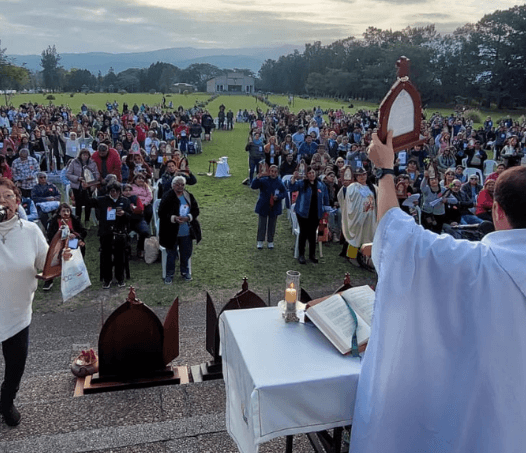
{"x":73,"y":243}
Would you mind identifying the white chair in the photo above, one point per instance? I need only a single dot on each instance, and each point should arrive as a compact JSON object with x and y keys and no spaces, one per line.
{"x":295,"y":231}
{"x":489,"y":167}
{"x":470,"y":171}
{"x":286,"y":200}
{"x":164,"y":253}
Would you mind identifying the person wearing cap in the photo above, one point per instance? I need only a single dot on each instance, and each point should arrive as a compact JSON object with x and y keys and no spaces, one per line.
{"x":25,"y":169}
{"x":436,"y":376}
{"x":114,"y":214}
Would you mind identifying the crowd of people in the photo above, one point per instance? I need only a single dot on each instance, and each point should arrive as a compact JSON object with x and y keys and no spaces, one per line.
{"x":115,"y":164}
{"x":445,"y":181}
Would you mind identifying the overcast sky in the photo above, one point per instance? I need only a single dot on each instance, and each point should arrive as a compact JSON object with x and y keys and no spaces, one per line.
{"x":28,"y":26}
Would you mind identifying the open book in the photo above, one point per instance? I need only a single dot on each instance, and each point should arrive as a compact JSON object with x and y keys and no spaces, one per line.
{"x":333,"y":316}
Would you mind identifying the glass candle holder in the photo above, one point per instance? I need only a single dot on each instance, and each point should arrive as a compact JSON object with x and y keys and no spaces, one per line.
{"x":291,"y":295}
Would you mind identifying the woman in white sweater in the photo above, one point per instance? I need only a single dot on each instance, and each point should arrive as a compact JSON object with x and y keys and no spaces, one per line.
{"x":23,"y":250}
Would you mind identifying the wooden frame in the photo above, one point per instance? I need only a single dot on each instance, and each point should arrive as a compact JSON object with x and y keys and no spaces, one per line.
{"x":402,"y":96}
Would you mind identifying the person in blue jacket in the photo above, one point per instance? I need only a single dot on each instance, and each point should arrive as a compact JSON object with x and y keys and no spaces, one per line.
{"x":312,"y":201}
{"x":268,"y":206}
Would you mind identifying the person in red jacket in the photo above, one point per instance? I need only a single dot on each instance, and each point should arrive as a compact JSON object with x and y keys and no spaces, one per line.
{"x":141,"y":129}
{"x":108,"y":162}
{"x":182,"y":133}
{"x":485,"y":201}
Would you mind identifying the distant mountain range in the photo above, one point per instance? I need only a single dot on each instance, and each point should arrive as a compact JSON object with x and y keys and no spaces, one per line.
{"x":182,"y":57}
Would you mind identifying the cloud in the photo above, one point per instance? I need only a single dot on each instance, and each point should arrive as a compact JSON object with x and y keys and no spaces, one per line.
{"x":143,"y":25}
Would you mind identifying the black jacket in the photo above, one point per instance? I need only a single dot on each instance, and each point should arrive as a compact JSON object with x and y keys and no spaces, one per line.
{"x":121,"y":223}
{"x":168,"y":207}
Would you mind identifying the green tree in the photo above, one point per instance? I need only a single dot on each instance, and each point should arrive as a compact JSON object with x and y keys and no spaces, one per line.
{"x":75,"y":79}
{"x":51,"y":69}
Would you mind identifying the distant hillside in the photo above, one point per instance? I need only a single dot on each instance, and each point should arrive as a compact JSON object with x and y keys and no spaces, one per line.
{"x":248,"y":57}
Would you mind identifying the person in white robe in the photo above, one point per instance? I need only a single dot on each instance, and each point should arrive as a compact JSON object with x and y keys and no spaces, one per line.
{"x":359,"y":214}
{"x":444,"y":370}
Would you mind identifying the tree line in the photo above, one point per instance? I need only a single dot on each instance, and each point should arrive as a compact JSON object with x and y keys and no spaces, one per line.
{"x":482,"y":62}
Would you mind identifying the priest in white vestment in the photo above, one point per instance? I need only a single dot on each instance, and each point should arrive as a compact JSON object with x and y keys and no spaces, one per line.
{"x":445,"y":368}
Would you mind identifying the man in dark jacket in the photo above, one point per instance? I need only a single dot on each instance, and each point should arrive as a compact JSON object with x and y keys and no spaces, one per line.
{"x":178,"y":226}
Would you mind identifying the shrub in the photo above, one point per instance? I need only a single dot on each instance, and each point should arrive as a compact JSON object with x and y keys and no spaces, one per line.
{"x":152,"y":91}
{"x":71,"y":95}
{"x":123,"y":92}
{"x":473,"y":114}
{"x":50,"y":97}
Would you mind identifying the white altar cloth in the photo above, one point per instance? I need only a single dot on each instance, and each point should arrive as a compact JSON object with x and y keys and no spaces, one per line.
{"x":282,"y":379}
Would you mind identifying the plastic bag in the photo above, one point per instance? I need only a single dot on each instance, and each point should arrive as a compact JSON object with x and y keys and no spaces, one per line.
{"x":75,"y":276}
{"x":151,"y":250}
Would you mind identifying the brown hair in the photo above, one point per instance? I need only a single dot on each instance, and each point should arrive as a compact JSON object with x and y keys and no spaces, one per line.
{"x":6,"y":182}
{"x":510,"y":194}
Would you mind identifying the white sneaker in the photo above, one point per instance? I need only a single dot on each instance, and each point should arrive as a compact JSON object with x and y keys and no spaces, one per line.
{"x":260,"y":245}
{"x":270,"y":245}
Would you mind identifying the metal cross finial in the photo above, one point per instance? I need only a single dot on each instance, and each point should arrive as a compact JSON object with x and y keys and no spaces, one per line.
{"x":403,"y":67}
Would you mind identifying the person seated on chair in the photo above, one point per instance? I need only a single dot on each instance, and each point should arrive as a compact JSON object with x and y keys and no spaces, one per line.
{"x":471,"y":189}
{"x":137,"y":221}
{"x":28,"y":210}
{"x":46,"y":197}
{"x":114,"y":216}
{"x":77,"y":233}
{"x":485,"y":201}
{"x":141,"y":188}
{"x":476,"y":156}
{"x":497,"y":172}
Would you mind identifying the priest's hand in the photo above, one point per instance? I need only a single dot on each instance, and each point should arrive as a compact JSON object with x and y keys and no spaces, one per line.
{"x":382,"y":154}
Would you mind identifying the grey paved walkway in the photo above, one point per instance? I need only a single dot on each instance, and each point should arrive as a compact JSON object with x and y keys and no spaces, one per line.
{"x":177,"y":418}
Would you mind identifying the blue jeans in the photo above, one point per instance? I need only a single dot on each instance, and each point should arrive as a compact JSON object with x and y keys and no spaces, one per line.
{"x":470,"y":219}
{"x":143,"y":230}
{"x":184,"y":246}
{"x":253,"y":165}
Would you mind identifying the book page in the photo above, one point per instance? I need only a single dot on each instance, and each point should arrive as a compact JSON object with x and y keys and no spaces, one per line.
{"x":361,"y":299}
{"x":333,"y":318}
{"x":338,"y":314}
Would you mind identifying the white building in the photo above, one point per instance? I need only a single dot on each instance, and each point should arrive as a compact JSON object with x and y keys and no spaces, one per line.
{"x":231,"y":83}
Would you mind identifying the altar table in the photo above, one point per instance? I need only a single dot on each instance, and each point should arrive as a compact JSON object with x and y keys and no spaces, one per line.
{"x":282,"y":379}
